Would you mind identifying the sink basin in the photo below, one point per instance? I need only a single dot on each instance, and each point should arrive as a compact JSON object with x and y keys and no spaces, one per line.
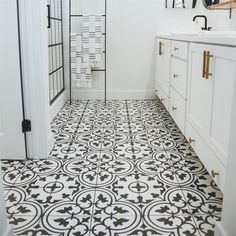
{"x":228,"y":34}
{"x":218,"y":33}
{"x":190,"y":33}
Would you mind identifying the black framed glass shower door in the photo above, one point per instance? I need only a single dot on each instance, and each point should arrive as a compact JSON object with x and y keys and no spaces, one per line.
{"x":55,"y":49}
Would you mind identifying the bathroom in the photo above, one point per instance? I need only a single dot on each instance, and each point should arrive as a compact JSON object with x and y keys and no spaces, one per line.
{"x":117,"y":117}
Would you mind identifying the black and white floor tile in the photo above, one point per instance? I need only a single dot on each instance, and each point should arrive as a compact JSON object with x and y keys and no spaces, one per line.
{"x":120,"y":169}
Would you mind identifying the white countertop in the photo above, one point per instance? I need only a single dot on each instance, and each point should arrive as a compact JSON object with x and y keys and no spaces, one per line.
{"x":225,"y":40}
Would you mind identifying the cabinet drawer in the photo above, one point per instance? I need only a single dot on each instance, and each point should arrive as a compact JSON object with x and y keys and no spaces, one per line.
{"x":207,"y":157}
{"x":179,"y":76}
{"x":164,"y":98}
{"x":178,"y":109}
{"x":179,"y":49}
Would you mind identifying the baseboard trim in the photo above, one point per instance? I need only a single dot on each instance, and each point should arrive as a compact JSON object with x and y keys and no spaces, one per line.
{"x":57,"y":105}
{"x":219,"y":230}
{"x":113,"y":94}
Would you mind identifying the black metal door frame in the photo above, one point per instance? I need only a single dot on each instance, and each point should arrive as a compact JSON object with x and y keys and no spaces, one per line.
{"x":57,"y":47}
{"x":71,"y":16}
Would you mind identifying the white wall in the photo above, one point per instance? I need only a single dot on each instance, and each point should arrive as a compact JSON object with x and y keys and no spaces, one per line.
{"x":131,"y":33}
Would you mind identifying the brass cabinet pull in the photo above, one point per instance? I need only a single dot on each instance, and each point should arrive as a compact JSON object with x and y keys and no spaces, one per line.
{"x":191,"y":140}
{"x":204,"y":65}
{"x":174,"y":108}
{"x":175,"y":76}
{"x":214,"y":173}
{"x":160,"y":48}
{"x":176,"y":49}
{"x":208,"y":57}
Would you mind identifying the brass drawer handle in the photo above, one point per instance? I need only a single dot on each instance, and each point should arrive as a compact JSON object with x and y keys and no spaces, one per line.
{"x":175,"y":76}
{"x":204,"y":65}
{"x":190,"y":140}
{"x":174,"y":108}
{"x":176,"y":49}
{"x":160,"y":48}
{"x":208,"y":57}
{"x":214,"y":173}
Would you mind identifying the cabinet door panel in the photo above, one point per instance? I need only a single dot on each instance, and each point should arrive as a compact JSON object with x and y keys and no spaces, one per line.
{"x":200,"y":93}
{"x":207,"y":156}
{"x":163,"y":64}
{"x":159,"y":62}
{"x":165,"y":79}
{"x":164,"y":99}
{"x":178,"y":76}
{"x":177,"y":109}
{"x":223,"y":77}
{"x":179,"y":49}
{"x":210,"y":100}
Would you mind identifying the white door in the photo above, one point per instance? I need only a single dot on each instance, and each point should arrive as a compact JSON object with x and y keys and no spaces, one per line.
{"x":12,"y":140}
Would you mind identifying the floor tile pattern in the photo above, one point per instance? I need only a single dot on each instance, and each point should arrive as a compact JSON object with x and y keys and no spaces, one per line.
{"x":120,"y":169}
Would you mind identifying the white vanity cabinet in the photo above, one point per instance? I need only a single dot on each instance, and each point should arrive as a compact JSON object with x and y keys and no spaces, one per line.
{"x":162,"y":82}
{"x":200,"y":93}
{"x":171,"y":78}
{"x":210,"y":95}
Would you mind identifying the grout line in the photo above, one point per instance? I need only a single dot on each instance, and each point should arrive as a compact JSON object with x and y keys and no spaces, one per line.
{"x":71,"y":110}
{"x":79,"y":122}
{"x":98,"y":171}
{"x":135,"y":161}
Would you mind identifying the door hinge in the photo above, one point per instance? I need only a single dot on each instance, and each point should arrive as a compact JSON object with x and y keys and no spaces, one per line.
{"x":26,"y":126}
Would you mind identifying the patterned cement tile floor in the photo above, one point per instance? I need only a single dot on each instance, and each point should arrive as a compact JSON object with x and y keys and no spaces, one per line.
{"x":124,"y":169}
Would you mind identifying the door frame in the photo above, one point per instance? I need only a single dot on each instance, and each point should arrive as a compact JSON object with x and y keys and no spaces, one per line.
{"x":21,"y":73}
{"x":34,"y":56}
{"x":13,"y":144}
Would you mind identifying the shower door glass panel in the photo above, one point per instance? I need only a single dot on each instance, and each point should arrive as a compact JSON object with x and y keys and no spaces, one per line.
{"x":80,"y":8}
{"x":55,"y":49}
